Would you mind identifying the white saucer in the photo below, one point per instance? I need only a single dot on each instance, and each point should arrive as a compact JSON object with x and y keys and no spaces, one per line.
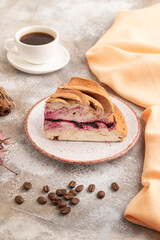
{"x":59,"y":61}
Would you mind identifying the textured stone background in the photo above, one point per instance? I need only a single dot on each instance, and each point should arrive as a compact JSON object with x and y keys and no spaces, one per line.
{"x":80,"y":24}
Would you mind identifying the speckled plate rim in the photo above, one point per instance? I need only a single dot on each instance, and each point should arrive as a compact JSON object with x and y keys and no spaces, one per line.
{"x":129,"y":147}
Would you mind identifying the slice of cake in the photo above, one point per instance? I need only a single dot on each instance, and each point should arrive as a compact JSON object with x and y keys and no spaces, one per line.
{"x":83,"y":111}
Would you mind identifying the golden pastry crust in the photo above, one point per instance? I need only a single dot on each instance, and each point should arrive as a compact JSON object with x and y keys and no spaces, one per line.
{"x":93,"y":89}
{"x":66,"y":94}
{"x":85,"y":91}
{"x":69,"y":94}
{"x":90,"y":93}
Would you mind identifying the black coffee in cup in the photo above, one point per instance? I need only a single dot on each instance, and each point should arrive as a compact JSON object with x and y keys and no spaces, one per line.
{"x":37,"y":38}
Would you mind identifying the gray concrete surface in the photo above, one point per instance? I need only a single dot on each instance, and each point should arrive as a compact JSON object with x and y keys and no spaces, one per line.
{"x":80,"y":24}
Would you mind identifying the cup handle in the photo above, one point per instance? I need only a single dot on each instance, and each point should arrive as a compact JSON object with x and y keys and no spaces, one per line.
{"x":10,"y":45}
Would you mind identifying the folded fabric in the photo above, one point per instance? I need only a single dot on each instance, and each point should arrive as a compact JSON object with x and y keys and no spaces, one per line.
{"x":144,"y":208}
{"x":127,"y":58}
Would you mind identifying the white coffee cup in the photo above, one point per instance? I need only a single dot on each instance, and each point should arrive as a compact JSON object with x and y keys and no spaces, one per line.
{"x":36,"y":54}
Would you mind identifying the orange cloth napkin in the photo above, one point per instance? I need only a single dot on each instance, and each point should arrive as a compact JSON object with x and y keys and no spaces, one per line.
{"x":144,"y":209}
{"x":127,"y":58}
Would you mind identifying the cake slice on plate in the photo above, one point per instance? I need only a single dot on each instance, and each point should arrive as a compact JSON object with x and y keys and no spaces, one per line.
{"x":83,"y":111}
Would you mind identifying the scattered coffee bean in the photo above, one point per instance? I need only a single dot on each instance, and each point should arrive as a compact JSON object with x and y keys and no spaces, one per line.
{"x":65,"y":210}
{"x":101,"y":194}
{"x":68,"y":196}
{"x":51,"y":195}
{"x":79,"y":188}
{"x":46,"y":188}
{"x":55,"y":202}
{"x":56,"y":198}
{"x":74,"y":192}
{"x":91,"y":188}
{"x":72,"y":184}
{"x":27,"y":185}
{"x":115,"y":186}
{"x":74,"y":201}
{"x":61,"y":204}
{"x":61,"y":192}
{"x":42,"y":200}
{"x":19,"y":200}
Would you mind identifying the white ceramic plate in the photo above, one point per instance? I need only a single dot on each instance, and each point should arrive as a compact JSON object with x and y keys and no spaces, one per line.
{"x":59,"y":61}
{"x":81,"y":152}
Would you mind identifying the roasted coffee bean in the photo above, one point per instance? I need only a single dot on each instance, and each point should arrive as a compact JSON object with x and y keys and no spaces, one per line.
{"x":101,"y":194}
{"x":65,"y":210}
{"x":74,"y":201}
{"x":79,"y":188}
{"x":42,"y":200}
{"x":61,"y":204}
{"x":57,"y":198}
{"x":46,"y":188}
{"x":27,"y":185}
{"x":19,"y":200}
{"x":55,"y":202}
{"x":115,"y":186}
{"x":61,"y":192}
{"x":72,"y":184}
{"x":91,"y":188}
{"x":68,"y":196}
{"x":51,"y":195}
{"x":74,"y":192}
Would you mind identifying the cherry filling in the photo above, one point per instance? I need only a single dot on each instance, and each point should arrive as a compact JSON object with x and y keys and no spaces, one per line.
{"x":81,"y":124}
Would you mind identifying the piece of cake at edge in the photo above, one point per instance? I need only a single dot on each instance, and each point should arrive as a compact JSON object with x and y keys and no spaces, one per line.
{"x":83,"y":111}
